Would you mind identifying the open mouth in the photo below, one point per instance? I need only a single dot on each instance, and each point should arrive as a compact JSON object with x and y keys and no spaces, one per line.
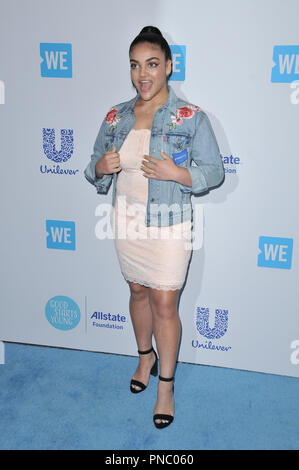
{"x":145,"y":85}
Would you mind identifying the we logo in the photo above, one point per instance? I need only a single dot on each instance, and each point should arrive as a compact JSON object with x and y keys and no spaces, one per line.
{"x":178,"y":55}
{"x":56,"y":60}
{"x":286,"y":68}
{"x":60,"y":235}
{"x":275,"y":252}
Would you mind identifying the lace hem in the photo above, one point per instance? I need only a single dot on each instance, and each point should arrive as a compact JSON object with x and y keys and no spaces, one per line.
{"x":152,"y":285}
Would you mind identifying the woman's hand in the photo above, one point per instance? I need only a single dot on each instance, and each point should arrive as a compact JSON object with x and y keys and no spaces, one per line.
{"x":108,"y":163}
{"x":164,"y":169}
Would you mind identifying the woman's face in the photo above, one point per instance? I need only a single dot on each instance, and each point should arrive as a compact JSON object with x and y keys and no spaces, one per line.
{"x":149,"y":70}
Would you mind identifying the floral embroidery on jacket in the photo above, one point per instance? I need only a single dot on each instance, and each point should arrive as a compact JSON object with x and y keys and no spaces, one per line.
{"x":112,"y":118}
{"x":185,"y":112}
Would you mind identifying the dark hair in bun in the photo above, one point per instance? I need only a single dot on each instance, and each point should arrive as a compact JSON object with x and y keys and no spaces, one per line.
{"x":151,"y":29}
{"x":154,"y":36}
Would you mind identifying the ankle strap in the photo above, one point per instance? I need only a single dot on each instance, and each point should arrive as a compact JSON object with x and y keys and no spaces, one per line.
{"x":164,"y":379}
{"x":146,"y":352}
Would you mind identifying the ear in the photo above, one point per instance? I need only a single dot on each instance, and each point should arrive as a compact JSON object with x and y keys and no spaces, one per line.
{"x":168,"y":68}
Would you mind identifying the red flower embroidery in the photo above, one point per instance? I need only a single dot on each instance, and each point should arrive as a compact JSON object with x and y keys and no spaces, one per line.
{"x":185,"y":112}
{"x":111,"y":116}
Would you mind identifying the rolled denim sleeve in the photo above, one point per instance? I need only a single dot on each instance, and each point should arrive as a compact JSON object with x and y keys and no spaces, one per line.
{"x":102,"y":184}
{"x":209,"y":170}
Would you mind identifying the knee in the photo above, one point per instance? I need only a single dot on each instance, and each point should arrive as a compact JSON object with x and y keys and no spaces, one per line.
{"x":138,"y":292}
{"x":164,"y":310}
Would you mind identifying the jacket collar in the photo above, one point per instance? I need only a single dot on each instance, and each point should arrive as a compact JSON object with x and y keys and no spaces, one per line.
{"x":171,"y":102}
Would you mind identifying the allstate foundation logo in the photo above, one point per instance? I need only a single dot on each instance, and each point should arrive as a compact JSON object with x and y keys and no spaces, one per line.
{"x":60,"y":235}
{"x":108,"y":320}
{"x":62,"y":312}
{"x":56,"y":60}
{"x":204,"y":328}
{"x":56,"y":154}
{"x":286,"y":64}
{"x":275,"y":252}
{"x":178,"y":55}
{"x":230,"y":163}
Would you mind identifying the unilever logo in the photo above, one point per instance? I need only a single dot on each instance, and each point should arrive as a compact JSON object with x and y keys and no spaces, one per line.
{"x":57,"y":155}
{"x":205,"y":329}
{"x":56,"y":60}
{"x":66,"y":145}
{"x":62,"y":312}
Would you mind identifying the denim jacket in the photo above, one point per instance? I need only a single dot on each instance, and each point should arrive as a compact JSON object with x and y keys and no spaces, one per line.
{"x":181,"y":130}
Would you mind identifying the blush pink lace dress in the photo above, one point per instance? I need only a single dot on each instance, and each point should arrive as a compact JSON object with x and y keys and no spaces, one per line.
{"x":155,"y":257}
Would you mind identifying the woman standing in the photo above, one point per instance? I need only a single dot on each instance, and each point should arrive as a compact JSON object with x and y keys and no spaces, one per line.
{"x":145,"y":146}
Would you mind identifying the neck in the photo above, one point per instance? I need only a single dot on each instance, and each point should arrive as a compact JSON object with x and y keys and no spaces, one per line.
{"x":157,"y":101}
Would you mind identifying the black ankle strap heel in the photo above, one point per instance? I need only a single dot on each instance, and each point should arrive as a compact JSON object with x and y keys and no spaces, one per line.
{"x":161,"y":416}
{"x":164,"y":379}
{"x":154,"y":372}
{"x":146,"y":352}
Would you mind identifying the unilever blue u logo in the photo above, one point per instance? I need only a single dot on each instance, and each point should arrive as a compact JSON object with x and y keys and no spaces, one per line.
{"x":203,"y":323}
{"x":66,"y":145}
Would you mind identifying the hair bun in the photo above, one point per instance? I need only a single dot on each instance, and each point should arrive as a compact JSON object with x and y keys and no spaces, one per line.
{"x":151,"y":30}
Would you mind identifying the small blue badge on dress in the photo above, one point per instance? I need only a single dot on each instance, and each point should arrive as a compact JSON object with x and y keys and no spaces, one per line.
{"x":180,"y":157}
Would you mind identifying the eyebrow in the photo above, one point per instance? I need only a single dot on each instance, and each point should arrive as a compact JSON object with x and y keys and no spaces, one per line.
{"x":147,"y":60}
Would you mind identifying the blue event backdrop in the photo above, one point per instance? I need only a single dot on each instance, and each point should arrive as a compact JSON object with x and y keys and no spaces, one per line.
{"x":61,"y":70}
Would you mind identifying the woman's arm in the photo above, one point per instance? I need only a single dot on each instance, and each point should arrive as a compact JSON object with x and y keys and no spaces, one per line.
{"x":209,"y":170}
{"x":100,"y":181}
{"x":183,"y":177}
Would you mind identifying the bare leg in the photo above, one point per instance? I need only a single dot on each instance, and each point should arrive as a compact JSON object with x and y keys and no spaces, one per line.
{"x":142,"y":320}
{"x":167,"y":330}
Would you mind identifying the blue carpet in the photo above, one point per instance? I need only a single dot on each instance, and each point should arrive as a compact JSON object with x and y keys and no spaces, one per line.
{"x":53,"y":398}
